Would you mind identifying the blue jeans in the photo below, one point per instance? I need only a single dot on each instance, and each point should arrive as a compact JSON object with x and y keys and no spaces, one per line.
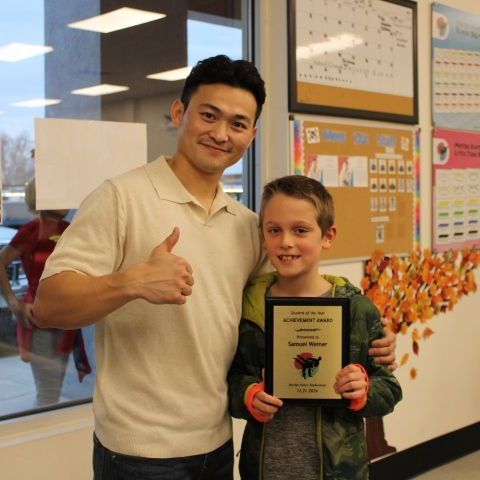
{"x":216,"y":465}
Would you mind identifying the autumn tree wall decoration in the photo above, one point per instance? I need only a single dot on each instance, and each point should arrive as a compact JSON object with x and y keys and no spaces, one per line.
{"x":408,"y":291}
{"x":411,"y":290}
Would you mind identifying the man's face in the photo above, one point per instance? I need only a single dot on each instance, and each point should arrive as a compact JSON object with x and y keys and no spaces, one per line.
{"x":216,"y":128}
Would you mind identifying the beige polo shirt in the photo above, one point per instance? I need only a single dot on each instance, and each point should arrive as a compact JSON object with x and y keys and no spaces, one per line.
{"x":161,"y":369}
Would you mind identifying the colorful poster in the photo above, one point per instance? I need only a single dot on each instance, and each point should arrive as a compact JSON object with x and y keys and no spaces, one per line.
{"x":455,"y":68}
{"x":456,"y":189}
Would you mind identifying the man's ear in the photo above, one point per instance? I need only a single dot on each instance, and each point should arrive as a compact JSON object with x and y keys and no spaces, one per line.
{"x":177,"y":111}
{"x":329,"y":237}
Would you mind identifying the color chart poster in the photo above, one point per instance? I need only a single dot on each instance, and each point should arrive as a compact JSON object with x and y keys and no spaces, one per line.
{"x":456,"y":189}
{"x":455,"y":68}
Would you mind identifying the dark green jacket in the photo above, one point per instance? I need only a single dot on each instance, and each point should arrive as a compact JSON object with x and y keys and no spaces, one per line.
{"x":340,"y":432}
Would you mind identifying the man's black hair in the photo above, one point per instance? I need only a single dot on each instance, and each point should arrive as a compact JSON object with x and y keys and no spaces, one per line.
{"x":222,"y":69}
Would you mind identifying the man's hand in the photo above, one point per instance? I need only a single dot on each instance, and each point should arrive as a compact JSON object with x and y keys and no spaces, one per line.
{"x":164,"y":277}
{"x":383,"y":349}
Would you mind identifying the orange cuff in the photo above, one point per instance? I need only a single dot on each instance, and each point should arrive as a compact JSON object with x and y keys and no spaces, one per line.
{"x":251,"y":392}
{"x":358,"y":403}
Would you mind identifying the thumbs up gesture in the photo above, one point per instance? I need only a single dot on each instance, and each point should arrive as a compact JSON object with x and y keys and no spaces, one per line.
{"x":165,"y":277}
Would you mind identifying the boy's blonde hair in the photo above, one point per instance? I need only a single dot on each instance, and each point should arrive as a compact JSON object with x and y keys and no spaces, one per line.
{"x":303,"y":188}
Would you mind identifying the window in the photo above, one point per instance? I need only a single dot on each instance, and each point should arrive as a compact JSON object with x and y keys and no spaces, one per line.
{"x":47,"y":51}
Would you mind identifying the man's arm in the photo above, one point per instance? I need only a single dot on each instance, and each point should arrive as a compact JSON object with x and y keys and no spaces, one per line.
{"x":71,"y":300}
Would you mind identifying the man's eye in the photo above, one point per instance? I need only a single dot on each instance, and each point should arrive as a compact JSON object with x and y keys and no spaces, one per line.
{"x":239,"y":125}
{"x":208,"y":115}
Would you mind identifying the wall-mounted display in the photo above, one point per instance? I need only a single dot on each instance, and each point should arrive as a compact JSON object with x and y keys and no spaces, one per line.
{"x":455,"y":68}
{"x":372,"y":173}
{"x":456,"y":189}
{"x":353,"y":58}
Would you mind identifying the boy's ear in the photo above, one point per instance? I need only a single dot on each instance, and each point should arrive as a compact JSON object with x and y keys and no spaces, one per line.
{"x":329,"y":237}
{"x":177,"y":111}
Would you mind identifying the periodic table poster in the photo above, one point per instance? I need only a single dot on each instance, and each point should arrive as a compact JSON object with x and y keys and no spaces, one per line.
{"x":353,"y":58}
{"x":455,"y":68}
{"x":373,"y":176}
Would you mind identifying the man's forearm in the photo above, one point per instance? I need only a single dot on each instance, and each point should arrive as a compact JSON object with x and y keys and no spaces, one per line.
{"x":70,"y":300}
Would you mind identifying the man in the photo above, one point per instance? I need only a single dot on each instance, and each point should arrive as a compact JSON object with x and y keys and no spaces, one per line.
{"x":127,"y":263}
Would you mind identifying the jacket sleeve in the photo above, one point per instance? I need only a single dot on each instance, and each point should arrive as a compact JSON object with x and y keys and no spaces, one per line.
{"x":246,"y":367}
{"x":384,"y":391}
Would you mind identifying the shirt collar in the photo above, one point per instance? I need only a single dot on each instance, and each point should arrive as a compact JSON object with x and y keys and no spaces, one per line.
{"x":169,"y":187}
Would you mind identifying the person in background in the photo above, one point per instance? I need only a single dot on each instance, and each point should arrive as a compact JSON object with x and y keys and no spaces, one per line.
{"x":157,"y":259}
{"x":47,"y":350}
{"x":288,"y":440}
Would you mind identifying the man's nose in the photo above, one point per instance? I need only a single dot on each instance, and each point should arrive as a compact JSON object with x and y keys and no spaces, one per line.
{"x":219,"y":132}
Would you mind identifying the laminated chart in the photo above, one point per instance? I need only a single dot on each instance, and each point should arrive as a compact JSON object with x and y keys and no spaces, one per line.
{"x":455,"y":68}
{"x":456,"y":189}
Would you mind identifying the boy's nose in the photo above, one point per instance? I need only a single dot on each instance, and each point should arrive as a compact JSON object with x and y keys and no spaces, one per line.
{"x":287,"y":240}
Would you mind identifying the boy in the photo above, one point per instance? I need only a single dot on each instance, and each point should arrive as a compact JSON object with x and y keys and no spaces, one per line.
{"x":305,"y":441}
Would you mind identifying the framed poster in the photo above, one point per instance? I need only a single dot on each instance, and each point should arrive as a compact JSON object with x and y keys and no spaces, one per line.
{"x":372,"y":174}
{"x":353,"y":58}
{"x":307,"y":344}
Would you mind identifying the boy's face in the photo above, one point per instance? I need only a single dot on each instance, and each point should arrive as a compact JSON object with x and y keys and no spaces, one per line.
{"x":292,"y":237}
{"x":216,"y":128}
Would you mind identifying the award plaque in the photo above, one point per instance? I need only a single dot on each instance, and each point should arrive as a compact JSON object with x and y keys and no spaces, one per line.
{"x":307,"y":344}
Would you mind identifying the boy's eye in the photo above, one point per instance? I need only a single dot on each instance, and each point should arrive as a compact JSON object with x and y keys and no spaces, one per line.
{"x":273,"y":231}
{"x":301,"y":230}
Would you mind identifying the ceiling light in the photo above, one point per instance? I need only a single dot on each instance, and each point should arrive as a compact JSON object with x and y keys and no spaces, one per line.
{"x":171,"y":75}
{"x":13,"y":52}
{"x":117,"y":20}
{"x":36,"y":102}
{"x":103,"y":89}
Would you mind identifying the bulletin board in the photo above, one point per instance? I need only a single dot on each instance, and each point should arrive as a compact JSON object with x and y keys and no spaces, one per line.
{"x":373,"y":176}
{"x":455,"y":68}
{"x":456,"y":189}
{"x":353,"y":58}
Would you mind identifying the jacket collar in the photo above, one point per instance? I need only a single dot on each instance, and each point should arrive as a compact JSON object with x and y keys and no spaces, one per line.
{"x":253,"y":305}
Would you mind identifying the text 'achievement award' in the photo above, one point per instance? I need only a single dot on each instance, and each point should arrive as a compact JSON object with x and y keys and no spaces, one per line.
{"x":307,"y":344}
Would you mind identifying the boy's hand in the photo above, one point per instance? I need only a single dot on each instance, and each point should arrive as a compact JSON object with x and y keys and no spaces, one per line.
{"x":351,"y":382}
{"x":260,"y":404}
{"x":265,"y":404}
{"x":383,"y":349}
